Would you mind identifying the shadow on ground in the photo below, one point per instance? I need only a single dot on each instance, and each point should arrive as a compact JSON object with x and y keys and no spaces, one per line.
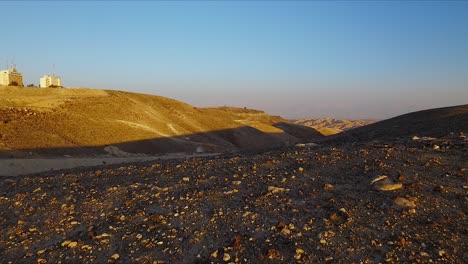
{"x":244,"y":138}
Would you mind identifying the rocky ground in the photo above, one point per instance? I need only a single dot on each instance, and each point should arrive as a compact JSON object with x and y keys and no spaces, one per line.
{"x":292,"y":205}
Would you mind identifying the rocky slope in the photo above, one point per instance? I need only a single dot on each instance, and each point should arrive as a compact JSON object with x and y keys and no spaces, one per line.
{"x":400,"y":201}
{"x":432,"y":122}
{"x":49,"y":122}
{"x":331,"y":126}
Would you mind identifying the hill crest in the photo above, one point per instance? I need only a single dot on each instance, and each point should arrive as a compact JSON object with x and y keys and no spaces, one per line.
{"x":68,"y":120}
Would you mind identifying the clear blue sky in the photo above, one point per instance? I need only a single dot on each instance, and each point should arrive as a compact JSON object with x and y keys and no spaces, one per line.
{"x":296,"y":59}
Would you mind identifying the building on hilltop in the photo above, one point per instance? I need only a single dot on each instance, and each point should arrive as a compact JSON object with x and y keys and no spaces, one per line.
{"x":50,"y":81}
{"x":11,"y":77}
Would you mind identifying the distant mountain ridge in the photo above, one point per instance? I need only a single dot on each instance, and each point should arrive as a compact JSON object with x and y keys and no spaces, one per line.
{"x":331,"y":126}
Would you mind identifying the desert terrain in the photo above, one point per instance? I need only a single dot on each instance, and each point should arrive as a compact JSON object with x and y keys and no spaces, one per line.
{"x":330,"y":126}
{"x":84,"y":127}
{"x":394,"y":191}
{"x":55,"y":122}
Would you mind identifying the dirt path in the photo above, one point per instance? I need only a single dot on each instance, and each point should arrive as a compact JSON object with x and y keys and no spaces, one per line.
{"x":17,"y":167}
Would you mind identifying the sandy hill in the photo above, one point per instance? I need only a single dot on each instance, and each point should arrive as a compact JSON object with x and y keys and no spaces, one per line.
{"x":431,"y":123}
{"x":331,"y":126}
{"x":84,"y":121}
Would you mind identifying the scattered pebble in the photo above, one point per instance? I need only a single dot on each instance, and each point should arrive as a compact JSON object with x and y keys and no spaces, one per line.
{"x":404,"y":202}
{"x":273,"y":189}
{"x":72,"y":244}
{"x":226,"y":257}
{"x":238,"y":209}
{"x":383,"y":183}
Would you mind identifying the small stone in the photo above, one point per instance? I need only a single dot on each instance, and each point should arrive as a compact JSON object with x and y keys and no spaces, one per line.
{"x":383,"y":183}
{"x":139,"y":236}
{"x":300,"y":169}
{"x":378,"y":178}
{"x":416,"y":138}
{"x":103,"y":235}
{"x":214,"y":254}
{"x":299,"y":251}
{"x":285,"y":232}
{"x":390,"y":187}
{"x":72,"y":244}
{"x":273,"y":189}
{"x":436,"y":147}
{"x":226,"y":257}
{"x":404,"y":202}
{"x":186,"y":179}
{"x":328,"y":187}
{"x":424,"y":254}
{"x":115,"y":256}
{"x":65,"y":243}
{"x":40,"y":252}
{"x":86,"y":247}
{"x":323,"y":241}
{"x":231,"y":191}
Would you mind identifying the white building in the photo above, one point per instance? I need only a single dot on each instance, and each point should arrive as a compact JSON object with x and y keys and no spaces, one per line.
{"x":50,"y":81}
{"x":11,"y":77}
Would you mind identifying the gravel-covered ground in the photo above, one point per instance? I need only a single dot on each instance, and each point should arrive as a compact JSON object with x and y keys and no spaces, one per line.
{"x":304,"y":205}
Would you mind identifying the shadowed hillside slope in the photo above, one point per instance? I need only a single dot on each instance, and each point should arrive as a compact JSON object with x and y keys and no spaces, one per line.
{"x":433,"y":122}
{"x":32,"y":118}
